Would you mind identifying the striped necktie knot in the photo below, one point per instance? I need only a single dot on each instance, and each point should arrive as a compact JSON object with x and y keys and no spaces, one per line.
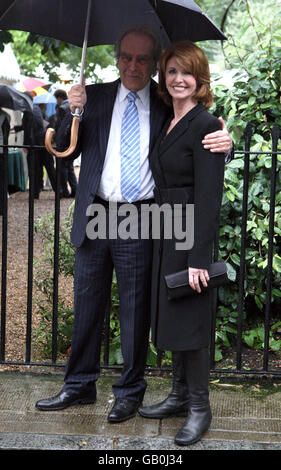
{"x":132,"y":96}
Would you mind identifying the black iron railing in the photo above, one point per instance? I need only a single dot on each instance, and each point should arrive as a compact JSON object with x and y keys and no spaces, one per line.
{"x":237,"y":368}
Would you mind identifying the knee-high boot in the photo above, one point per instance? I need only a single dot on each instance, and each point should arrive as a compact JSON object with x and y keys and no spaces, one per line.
{"x":176,"y":404}
{"x":199,"y":415}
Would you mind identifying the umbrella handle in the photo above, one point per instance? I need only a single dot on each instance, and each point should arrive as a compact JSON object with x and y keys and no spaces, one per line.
{"x":73,"y":139}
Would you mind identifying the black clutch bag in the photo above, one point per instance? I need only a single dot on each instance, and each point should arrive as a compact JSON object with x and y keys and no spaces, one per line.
{"x":178,"y":286}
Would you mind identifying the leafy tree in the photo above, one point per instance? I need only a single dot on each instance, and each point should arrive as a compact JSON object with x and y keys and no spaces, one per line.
{"x":5,"y":38}
{"x":253,"y":52}
{"x":32,"y":50}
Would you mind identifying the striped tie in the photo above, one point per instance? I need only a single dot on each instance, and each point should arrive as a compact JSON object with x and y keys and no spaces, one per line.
{"x":130,"y":150}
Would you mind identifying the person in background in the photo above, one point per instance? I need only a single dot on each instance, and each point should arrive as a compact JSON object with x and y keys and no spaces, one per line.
{"x":67,"y":169}
{"x":42,"y":156}
{"x":26,"y":126}
{"x":34,"y":126}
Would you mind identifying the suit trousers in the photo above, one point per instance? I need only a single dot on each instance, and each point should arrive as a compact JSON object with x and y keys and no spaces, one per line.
{"x":95,"y":260}
{"x":68,"y":176}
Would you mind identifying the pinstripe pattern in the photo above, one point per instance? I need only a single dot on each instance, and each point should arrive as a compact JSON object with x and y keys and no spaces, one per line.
{"x":94,"y":264}
{"x":130,"y":150}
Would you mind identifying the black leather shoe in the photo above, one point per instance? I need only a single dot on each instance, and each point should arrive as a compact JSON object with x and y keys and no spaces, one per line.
{"x":196,"y":424}
{"x":171,"y":406}
{"x":199,"y":416}
{"x":63,"y":400}
{"x":122,"y":410}
{"x":177,"y":402}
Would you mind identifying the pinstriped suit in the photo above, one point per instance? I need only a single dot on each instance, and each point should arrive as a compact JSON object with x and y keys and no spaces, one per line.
{"x":95,"y":259}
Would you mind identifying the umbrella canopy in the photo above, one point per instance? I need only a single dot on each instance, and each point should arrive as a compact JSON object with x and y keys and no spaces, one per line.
{"x":13,"y":99}
{"x":39,"y":90}
{"x":183,"y":19}
{"x":30,"y":83}
{"x":45,"y":98}
{"x":65,"y":19}
{"x":91,"y":23}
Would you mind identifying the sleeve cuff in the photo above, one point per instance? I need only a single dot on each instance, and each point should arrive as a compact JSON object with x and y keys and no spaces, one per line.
{"x":230,"y":155}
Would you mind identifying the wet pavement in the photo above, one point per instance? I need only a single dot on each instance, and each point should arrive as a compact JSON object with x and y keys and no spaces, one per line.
{"x":246,"y":416}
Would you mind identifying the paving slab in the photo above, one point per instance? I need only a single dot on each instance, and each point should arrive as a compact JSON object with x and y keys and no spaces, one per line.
{"x":246,"y":416}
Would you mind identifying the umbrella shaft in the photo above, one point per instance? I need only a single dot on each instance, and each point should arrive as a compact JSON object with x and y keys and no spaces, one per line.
{"x":85,"y":43}
{"x":6,"y":11}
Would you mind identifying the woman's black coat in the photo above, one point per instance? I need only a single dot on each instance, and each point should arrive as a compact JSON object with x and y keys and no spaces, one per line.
{"x":185,"y":173}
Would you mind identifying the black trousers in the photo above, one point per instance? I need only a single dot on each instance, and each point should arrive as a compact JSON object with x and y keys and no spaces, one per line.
{"x":47,"y":160}
{"x":68,"y":176}
{"x":94,"y":264}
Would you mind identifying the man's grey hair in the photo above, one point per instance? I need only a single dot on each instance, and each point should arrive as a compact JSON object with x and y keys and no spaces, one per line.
{"x":143,"y":31}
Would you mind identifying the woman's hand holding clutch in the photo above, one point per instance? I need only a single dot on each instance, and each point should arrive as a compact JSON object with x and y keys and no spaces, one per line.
{"x":196,"y":274}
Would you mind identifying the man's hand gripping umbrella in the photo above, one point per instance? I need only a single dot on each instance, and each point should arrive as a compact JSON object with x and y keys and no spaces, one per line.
{"x":76,"y":114}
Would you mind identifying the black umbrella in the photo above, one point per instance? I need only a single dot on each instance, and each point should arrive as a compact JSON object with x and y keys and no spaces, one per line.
{"x":183,"y":19}
{"x":13,"y":99}
{"x":65,"y":19}
{"x":90,"y":23}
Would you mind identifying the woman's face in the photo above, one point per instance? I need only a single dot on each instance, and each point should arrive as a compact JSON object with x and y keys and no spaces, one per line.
{"x":181,"y":85}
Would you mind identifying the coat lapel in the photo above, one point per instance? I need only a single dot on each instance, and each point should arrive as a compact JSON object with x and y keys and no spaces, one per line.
{"x":179,"y":129}
{"x":159,"y":112}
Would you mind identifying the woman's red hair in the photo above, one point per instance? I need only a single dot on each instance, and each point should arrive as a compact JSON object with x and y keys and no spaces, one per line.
{"x":193,"y":60}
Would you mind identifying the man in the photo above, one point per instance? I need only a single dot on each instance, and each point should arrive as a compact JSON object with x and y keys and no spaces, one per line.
{"x":44,"y":159}
{"x":67,"y":169}
{"x":29,"y":126}
{"x":101,"y":180}
{"x":34,"y":128}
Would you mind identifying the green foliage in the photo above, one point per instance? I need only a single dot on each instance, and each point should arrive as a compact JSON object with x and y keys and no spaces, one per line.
{"x":255,"y":337}
{"x":33,"y":50}
{"x":44,"y":281}
{"x":254,"y":97}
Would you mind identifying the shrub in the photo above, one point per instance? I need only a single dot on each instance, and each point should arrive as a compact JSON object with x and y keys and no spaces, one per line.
{"x":254,"y":97}
{"x":43,"y":280}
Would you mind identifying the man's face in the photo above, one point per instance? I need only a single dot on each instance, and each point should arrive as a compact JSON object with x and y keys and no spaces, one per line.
{"x":135,"y":63}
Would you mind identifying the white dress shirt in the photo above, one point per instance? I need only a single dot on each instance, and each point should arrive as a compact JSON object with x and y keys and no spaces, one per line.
{"x":109,"y":188}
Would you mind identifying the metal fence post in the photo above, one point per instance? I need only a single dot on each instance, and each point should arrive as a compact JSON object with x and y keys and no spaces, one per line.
{"x":56,"y":264}
{"x":4,"y":255}
{"x":275,"y":137}
{"x":31,"y":156}
{"x":247,"y":137}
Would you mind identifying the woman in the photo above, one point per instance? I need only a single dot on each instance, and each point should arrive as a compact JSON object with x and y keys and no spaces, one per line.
{"x":186,"y":173}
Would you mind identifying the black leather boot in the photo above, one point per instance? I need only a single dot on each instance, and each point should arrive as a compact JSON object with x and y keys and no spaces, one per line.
{"x":199,"y":416}
{"x":176,"y":404}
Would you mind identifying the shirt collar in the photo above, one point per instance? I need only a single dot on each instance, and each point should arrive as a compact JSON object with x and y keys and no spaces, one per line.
{"x":143,"y":94}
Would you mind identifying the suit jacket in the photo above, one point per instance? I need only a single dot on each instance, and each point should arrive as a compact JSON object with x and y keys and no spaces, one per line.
{"x":38,"y":126}
{"x":92,"y":144}
{"x":4,"y":128}
{"x":63,"y":108}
